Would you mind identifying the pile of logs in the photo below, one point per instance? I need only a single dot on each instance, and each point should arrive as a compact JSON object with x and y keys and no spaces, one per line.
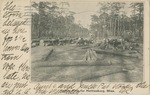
{"x":90,"y":56}
{"x":116,"y":44}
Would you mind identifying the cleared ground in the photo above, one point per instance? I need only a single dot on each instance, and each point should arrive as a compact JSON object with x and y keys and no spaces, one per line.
{"x":66,"y":64}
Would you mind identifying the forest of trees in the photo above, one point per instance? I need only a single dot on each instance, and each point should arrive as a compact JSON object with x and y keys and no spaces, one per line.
{"x":55,"y":20}
{"x":113,"y":21}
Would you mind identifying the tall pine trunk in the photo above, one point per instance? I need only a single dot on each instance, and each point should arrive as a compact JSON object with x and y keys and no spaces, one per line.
{"x":115,"y":28}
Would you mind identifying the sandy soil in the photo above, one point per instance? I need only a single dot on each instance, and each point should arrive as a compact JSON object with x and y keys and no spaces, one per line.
{"x":66,"y":64}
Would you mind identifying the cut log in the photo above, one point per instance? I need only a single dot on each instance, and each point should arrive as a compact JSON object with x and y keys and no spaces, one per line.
{"x":48,"y":55}
{"x":125,"y":54}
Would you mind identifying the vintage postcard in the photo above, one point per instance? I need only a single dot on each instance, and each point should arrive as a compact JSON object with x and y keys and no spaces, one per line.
{"x":74,"y":47}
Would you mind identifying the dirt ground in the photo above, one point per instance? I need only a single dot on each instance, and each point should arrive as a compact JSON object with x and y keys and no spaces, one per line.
{"x":66,"y":64}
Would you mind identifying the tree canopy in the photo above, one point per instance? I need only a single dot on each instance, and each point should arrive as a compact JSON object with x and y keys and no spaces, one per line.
{"x":54,"y":20}
{"x":112,"y":20}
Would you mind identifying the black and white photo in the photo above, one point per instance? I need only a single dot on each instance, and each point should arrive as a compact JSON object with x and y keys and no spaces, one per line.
{"x":87,"y":41}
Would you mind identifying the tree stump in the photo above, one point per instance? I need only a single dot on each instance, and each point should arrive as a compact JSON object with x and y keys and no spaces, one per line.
{"x":41,"y":42}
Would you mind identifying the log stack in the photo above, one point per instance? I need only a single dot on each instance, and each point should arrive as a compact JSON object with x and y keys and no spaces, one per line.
{"x":90,"y":56}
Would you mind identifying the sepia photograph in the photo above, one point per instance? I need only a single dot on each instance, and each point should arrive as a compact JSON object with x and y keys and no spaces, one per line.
{"x":86,"y":41}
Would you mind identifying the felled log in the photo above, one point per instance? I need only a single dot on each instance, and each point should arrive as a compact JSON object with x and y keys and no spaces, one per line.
{"x":100,"y":51}
{"x":48,"y":55}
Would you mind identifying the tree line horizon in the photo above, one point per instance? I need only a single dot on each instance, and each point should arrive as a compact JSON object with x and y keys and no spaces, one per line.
{"x":53,"y":20}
